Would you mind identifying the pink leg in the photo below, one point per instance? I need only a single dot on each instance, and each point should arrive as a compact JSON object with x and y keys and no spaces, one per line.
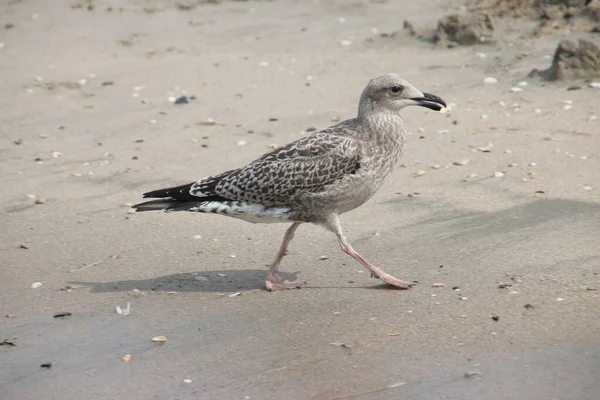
{"x":334,"y":225}
{"x":273,"y":281}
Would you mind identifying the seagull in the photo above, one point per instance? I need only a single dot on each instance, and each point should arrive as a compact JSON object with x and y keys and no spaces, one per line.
{"x":314,"y":179}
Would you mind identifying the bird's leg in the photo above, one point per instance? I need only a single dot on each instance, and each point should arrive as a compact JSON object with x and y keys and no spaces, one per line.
{"x":273,"y":281}
{"x":334,"y":225}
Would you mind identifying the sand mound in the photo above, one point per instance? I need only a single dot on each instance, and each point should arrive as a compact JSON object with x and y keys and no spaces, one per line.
{"x":464,"y":29}
{"x":573,"y":62}
{"x":580,"y":15}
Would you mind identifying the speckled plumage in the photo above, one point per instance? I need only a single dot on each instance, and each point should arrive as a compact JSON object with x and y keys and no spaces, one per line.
{"x":313,"y":179}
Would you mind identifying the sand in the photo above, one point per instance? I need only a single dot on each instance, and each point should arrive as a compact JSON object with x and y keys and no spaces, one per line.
{"x":87,"y":126}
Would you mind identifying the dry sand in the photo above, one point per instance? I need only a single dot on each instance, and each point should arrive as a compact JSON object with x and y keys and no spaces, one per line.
{"x":503,"y":245}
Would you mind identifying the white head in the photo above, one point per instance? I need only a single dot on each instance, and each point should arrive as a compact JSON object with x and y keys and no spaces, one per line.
{"x":392,"y":93}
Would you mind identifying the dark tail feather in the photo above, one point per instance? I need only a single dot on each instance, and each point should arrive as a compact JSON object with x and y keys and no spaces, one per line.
{"x":180,"y":193}
{"x":165,"y":205}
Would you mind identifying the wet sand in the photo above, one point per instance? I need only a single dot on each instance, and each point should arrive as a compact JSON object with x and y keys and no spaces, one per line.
{"x":522,"y":247}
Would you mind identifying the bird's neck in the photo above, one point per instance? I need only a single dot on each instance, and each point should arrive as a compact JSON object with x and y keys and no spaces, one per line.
{"x":381,"y":124}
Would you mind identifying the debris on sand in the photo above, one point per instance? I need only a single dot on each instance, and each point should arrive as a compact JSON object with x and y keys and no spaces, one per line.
{"x":572,"y":62}
{"x":7,"y":342}
{"x":124,"y":311}
{"x":62,"y":315}
{"x":159,"y":339}
{"x":464,"y":29}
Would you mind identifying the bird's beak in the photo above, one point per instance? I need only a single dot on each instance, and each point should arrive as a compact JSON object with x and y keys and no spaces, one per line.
{"x":430,"y":101}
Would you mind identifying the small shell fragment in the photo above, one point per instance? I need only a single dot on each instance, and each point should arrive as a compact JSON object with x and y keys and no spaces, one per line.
{"x":420,"y":173}
{"x":236,"y":294}
{"x":438,"y":285}
{"x":126,"y":358}
{"x":490,"y":79}
{"x":124,"y":311}
{"x":36,"y":285}
{"x":159,"y":339}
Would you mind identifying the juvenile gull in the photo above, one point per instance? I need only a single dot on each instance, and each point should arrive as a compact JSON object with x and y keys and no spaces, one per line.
{"x":313,"y":179}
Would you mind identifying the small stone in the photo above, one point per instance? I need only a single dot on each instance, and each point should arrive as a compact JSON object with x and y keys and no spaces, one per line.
{"x":36,"y":285}
{"x":324,"y":258}
{"x":159,"y":339}
{"x":241,"y":143}
{"x":131,"y":211}
{"x":507,"y":151}
{"x":236,"y":294}
{"x":464,"y":298}
{"x":77,"y":174}
{"x":345,"y":43}
{"x":529,"y":306}
{"x":522,"y":84}
{"x":196,"y":237}
{"x":560,"y":299}
{"x":495,"y":318}
{"x":126,"y":358}
{"x":187,"y":381}
{"x":461,"y":162}
{"x":594,"y":85}
{"x":56,"y":154}
{"x":490,"y":79}
{"x":567,"y":107}
{"x":181,"y":100}
{"x":484,"y":116}
{"x":473,"y":175}
{"x":25,"y":246}
{"x":498,"y":174}
{"x":532,"y":164}
{"x":587,"y":188}
{"x":438,"y":285}
{"x":516,"y":89}
{"x":436,"y":166}
{"x":513,"y":165}
{"x":420,"y":173}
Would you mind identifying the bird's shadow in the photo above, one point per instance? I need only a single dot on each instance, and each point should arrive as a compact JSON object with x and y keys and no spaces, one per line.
{"x":202,"y":281}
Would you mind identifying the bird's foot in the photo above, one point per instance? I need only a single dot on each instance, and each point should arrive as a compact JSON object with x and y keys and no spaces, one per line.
{"x":274,"y":282}
{"x":392,"y":280}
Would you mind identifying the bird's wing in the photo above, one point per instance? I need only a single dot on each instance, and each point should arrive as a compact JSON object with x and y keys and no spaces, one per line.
{"x":306,"y":165}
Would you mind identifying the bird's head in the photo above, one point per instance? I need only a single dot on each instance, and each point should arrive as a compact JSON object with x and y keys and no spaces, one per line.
{"x":392,"y":93}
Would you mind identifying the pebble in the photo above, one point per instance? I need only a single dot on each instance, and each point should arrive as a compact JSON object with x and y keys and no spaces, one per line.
{"x":187,"y":381}
{"x":490,"y":79}
{"x":560,"y":299}
{"x":594,"y":85}
{"x":159,"y":339}
{"x":532,"y":164}
{"x":436,"y":166}
{"x":345,"y":43}
{"x":522,"y":84}
{"x":420,"y":173}
{"x":513,"y":165}
{"x":498,"y":174}
{"x":236,"y":294}
{"x":241,"y":143}
{"x":56,"y":154}
{"x":587,"y":188}
{"x":473,"y":175}
{"x":438,"y":285}
{"x":25,"y":246}
{"x":40,"y":201}
{"x":181,"y":100}
{"x":131,"y":211}
{"x":30,"y":196}
{"x":516,"y":89}
{"x":263,"y":64}
{"x":567,"y":107}
{"x":464,"y":298}
{"x":36,"y":285}
{"x":461,"y":162}
{"x":126,"y":358}
{"x":507,"y":151}
{"x":196,"y":237}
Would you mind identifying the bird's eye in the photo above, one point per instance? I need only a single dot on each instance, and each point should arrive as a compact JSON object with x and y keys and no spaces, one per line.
{"x":396,"y":89}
